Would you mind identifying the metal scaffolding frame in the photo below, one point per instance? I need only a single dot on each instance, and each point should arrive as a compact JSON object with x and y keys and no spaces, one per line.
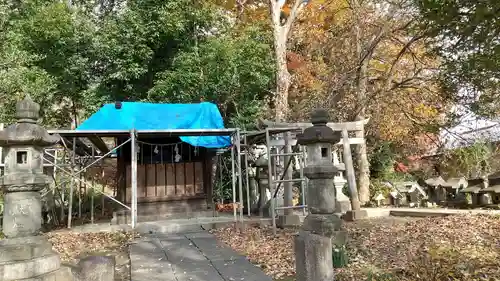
{"x":270,"y":137}
{"x":97,"y":151}
{"x":274,"y":128}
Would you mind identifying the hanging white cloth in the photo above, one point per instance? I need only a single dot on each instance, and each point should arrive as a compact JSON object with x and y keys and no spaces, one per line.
{"x":178,"y":157}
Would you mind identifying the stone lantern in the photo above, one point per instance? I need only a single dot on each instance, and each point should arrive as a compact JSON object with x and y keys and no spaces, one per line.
{"x":24,"y":143}
{"x":262,"y":176}
{"x":26,"y":255}
{"x":342,"y":203}
{"x":321,"y":229}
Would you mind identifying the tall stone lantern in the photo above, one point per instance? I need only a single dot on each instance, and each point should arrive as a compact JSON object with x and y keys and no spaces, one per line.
{"x":262,"y":176}
{"x":24,"y":143}
{"x":26,"y":255}
{"x":321,"y":228}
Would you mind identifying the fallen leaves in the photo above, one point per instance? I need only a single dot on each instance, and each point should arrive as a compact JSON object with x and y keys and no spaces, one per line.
{"x":406,"y":249}
{"x":72,"y":245}
{"x":273,"y":253}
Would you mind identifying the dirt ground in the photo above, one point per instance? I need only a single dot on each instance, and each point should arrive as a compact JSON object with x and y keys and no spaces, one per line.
{"x":404,"y":248}
{"x":74,"y":246}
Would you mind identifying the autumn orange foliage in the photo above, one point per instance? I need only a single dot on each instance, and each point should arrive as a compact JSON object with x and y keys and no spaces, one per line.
{"x":229,"y":207}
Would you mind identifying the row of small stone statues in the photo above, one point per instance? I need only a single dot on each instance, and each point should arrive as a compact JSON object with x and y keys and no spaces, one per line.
{"x":453,"y":192}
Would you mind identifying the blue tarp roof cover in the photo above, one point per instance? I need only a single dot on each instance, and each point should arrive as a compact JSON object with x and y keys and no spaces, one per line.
{"x":161,"y":116}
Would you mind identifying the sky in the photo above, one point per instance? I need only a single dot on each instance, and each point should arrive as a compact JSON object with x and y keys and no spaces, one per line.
{"x":470,"y":129}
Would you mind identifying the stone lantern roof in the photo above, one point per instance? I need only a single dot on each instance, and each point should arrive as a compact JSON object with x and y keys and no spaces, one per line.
{"x":319,"y":132}
{"x":26,"y":131}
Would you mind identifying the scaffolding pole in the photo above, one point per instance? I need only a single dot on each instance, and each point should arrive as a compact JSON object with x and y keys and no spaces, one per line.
{"x":303,"y":184}
{"x":69,"y":173}
{"x":92,"y":192}
{"x":233,"y":180}
{"x":240,"y":179}
{"x":73,"y":175}
{"x":247,"y":180}
{"x":270,"y":179}
{"x":70,"y":199}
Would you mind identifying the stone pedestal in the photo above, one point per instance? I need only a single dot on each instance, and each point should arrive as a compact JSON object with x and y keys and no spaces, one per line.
{"x":23,"y":214}
{"x":313,"y":257}
{"x":26,"y":258}
{"x":354,"y":215}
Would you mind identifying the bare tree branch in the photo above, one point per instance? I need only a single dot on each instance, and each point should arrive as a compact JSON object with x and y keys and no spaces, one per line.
{"x":291,"y":18}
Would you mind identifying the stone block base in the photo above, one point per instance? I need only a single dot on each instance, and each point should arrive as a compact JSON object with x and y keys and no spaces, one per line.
{"x":288,"y":221}
{"x":26,"y":257}
{"x":355,"y":215}
{"x":96,"y":268}
{"x":26,"y":269}
{"x":32,"y":259}
{"x":313,"y":257}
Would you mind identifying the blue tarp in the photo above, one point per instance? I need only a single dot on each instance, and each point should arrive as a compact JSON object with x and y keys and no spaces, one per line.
{"x":161,"y":116}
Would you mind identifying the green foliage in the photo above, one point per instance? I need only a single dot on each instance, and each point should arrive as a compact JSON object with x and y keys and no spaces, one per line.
{"x":340,"y":257}
{"x":377,"y":187}
{"x":465,"y":35}
{"x":46,"y":55}
{"x":472,"y":161}
{"x":382,"y":160}
{"x":72,"y":59}
{"x":231,"y":70}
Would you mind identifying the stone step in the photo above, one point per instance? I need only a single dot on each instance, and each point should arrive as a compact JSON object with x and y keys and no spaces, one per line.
{"x":62,"y":274}
{"x":19,"y":270}
{"x":123,"y":217}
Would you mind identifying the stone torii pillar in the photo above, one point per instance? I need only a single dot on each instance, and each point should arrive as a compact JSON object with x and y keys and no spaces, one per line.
{"x":321,"y":228}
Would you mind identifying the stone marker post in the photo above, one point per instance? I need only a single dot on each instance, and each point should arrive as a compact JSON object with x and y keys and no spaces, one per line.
{"x":321,"y":228}
{"x":25,"y":254}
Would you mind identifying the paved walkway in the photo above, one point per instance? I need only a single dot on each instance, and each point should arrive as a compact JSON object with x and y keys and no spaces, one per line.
{"x":191,"y":256}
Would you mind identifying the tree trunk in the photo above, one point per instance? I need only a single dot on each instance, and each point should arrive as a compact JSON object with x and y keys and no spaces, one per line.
{"x":360,"y":150}
{"x":363,"y":174}
{"x":281,"y":32}
{"x":282,"y":81}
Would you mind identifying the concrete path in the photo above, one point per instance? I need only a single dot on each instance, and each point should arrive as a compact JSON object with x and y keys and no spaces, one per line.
{"x":189,"y":256}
